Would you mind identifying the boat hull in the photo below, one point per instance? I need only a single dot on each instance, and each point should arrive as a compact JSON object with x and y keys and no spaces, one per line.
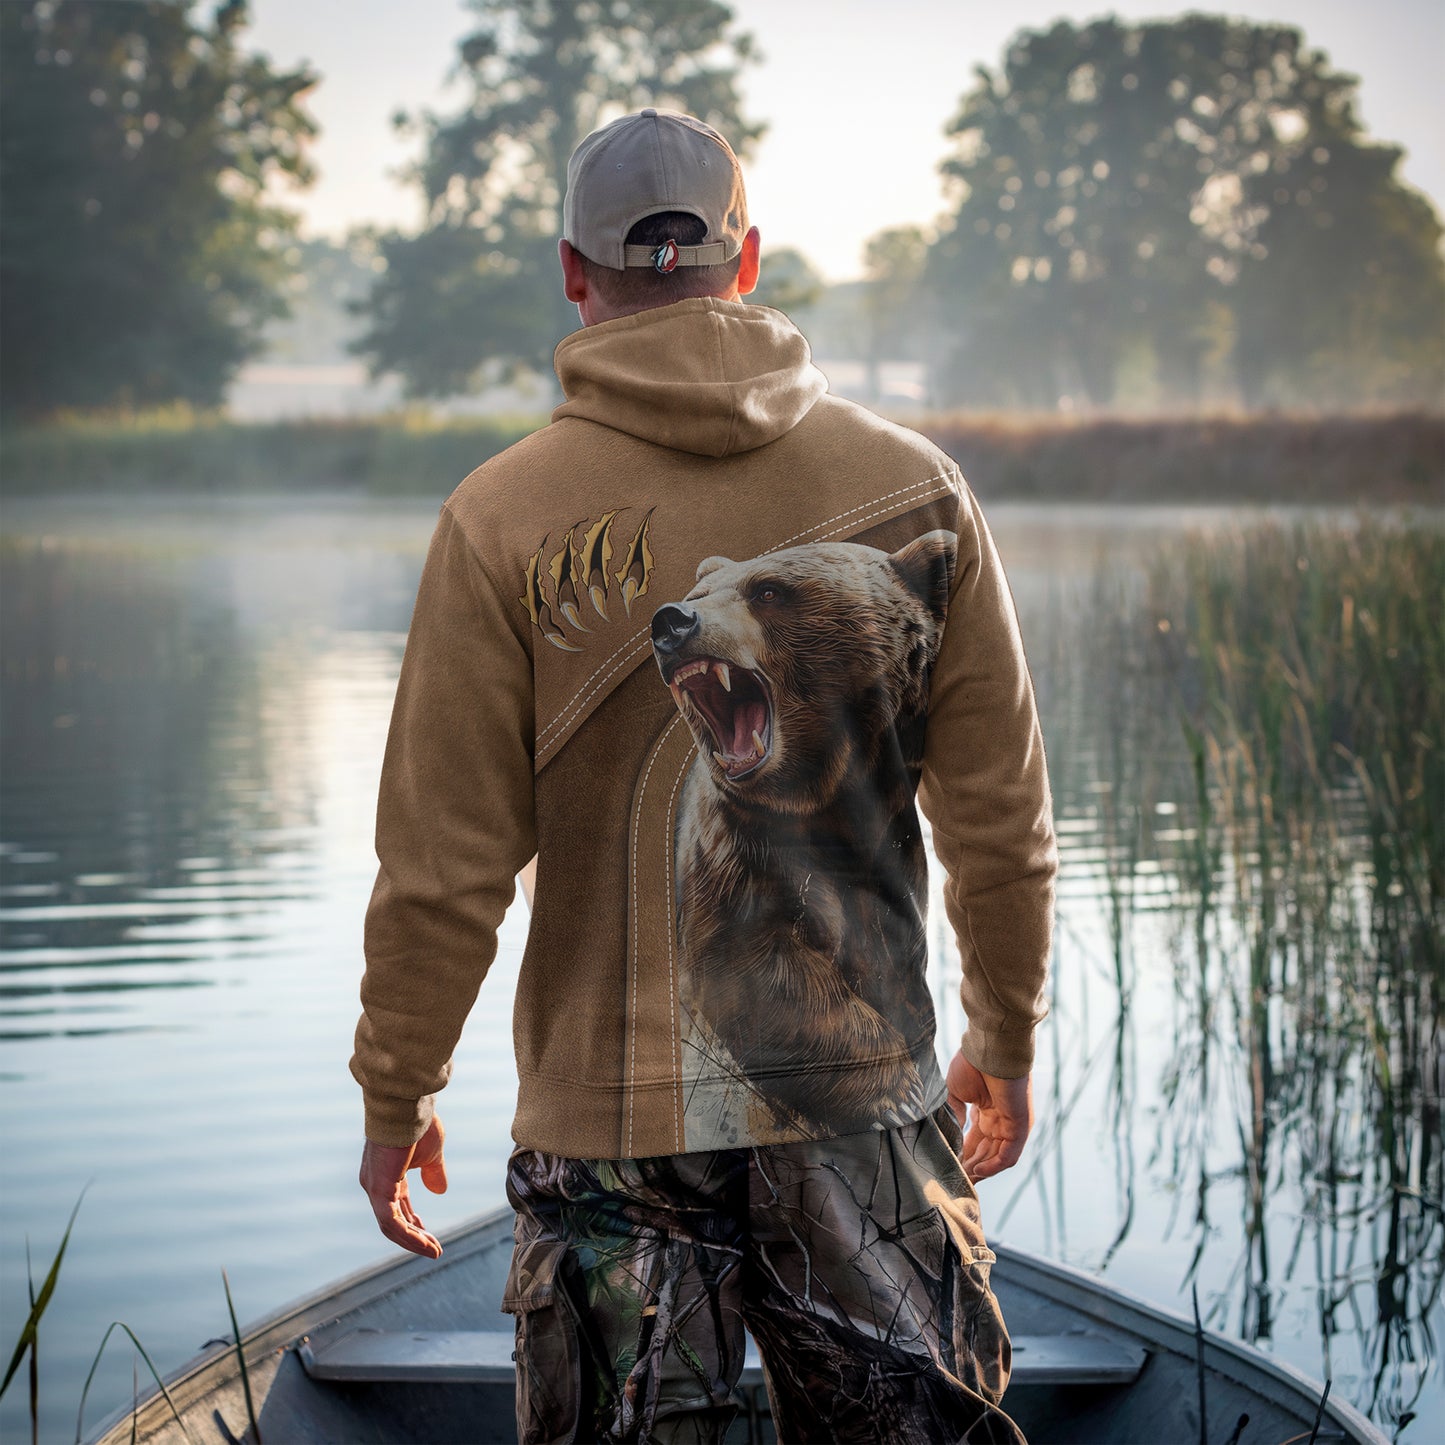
{"x":463,"y":1290}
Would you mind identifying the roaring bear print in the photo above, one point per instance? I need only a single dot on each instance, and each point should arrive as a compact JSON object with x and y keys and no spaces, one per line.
{"x":803,"y":676}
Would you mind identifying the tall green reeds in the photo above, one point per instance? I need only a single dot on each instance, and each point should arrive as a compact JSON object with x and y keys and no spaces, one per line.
{"x":28,"y":1344}
{"x":29,"y":1341}
{"x":1254,"y":750}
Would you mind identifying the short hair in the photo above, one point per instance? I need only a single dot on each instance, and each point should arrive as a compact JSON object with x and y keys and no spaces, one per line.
{"x":640,"y":287}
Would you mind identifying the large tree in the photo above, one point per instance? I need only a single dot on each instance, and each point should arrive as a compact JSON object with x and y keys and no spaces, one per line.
{"x":896,"y":307}
{"x":788,"y":281}
{"x":1185,"y":199}
{"x":139,"y":255}
{"x":480,"y":283}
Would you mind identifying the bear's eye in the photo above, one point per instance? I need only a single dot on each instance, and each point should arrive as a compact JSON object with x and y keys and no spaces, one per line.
{"x":767,"y":593}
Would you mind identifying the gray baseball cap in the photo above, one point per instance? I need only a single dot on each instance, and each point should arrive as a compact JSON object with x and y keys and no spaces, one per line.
{"x":657,"y":160}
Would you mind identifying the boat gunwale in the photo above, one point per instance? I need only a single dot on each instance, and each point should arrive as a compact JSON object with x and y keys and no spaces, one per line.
{"x":330,"y":1302}
{"x":1090,"y":1295}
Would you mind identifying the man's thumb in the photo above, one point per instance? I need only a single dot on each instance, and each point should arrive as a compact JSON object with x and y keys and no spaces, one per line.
{"x":434,"y":1175}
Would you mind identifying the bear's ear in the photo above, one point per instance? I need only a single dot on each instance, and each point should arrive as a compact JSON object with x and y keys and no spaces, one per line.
{"x":711,"y":564}
{"x":926,"y":567}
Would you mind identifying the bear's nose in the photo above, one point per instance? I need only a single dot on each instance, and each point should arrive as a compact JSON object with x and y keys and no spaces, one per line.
{"x":672,"y":626}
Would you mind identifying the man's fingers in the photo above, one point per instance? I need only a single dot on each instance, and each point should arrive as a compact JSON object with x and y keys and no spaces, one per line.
{"x":400,"y":1224}
{"x":999,"y":1121}
{"x":978,"y":1161}
{"x":983,"y":1165}
{"x":986,"y":1154}
{"x":986,"y":1150}
{"x":383,"y":1177}
{"x":418,"y":1241}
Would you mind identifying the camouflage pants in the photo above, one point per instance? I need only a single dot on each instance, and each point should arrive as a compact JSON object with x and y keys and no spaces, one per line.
{"x":858,"y":1264}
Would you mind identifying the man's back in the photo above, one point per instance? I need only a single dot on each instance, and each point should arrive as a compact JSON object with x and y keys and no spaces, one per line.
{"x":726,"y":596}
{"x":700,"y":646}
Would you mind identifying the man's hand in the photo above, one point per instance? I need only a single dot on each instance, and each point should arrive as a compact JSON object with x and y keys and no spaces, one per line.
{"x":383,"y":1176}
{"x":1000,"y":1120}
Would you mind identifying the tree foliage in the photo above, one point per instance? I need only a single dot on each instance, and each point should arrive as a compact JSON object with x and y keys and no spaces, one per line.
{"x":895,"y":305}
{"x":788,"y":281}
{"x":480,"y":284}
{"x":1189,"y":207}
{"x":330,"y":283}
{"x":139,"y":255}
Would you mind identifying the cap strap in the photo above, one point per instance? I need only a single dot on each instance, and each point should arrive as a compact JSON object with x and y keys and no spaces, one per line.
{"x":712,"y":254}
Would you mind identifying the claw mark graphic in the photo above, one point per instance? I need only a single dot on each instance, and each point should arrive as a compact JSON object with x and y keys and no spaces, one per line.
{"x":636,"y":570}
{"x":534,"y":599}
{"x":596,"y":558}
{"x":579,"y":572}
{"x":565,"y":569}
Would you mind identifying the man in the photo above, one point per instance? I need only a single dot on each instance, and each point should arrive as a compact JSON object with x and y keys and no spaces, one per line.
{"x":697,"y":645}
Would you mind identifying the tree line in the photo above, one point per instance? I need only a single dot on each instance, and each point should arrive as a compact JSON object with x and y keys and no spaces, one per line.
{"x":1154,"y":213}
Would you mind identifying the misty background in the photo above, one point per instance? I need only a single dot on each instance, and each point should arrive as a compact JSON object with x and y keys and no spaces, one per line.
{"x":275,"y":277}
{"x":1127,"y":215}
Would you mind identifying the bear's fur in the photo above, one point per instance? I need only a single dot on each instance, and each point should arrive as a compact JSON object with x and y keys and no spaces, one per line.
{"x":803,"y":676}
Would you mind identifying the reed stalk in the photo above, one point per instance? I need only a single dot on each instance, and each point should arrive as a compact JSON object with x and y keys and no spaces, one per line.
{"x":29,"y":1341}
{"x":1290,"y":707}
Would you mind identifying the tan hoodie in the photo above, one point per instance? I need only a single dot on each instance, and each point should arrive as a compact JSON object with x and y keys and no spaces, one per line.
{"x":698,"y":644}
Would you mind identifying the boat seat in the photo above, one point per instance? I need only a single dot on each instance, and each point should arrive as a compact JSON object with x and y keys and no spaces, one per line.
{"x":483,"y":1357}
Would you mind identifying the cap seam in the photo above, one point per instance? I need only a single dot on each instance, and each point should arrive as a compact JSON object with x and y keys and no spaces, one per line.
{"x":661,"y":170}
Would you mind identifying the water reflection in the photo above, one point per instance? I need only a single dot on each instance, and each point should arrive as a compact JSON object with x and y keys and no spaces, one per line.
{"x":192,"y":711}
{"x":137,"y":763}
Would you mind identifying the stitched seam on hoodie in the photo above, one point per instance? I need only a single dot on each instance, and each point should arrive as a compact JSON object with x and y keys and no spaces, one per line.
{"x":817,"y":529}
{"x":636,"y":950}
{"x":731,"y":386}
{"x":883,"y":511}
{"x":671,"y":930}
{"x":886,"y":510}
{"x":599,"y":679}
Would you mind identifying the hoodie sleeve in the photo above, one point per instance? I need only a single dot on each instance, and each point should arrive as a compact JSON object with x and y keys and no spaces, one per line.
{"x":985,"y":790}
{"x":454,"y":826}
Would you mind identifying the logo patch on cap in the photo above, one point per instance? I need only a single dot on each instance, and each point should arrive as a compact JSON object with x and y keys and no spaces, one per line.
{"x":664,"y":259}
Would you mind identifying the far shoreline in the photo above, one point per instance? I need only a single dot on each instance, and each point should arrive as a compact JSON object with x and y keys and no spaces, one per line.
{"x":1367,"y":458}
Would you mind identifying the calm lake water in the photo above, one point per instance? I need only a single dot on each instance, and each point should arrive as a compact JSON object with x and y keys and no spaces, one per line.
{"x":195,"y":702}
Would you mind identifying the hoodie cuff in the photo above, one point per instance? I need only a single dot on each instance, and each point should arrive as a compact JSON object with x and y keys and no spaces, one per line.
{"x":397,"y":1123}
{"x":998,"y":1054}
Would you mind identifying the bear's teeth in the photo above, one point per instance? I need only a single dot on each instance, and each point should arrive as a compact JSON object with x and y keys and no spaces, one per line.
{"x":721,"y":761}
{"x":723,"y":675}
{"x":758,"y":743}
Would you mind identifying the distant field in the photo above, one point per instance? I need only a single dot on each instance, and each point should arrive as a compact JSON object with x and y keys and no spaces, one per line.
{"x":1396,"y":457}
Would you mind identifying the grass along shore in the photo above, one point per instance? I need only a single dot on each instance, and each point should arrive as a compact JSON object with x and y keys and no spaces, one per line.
{"x":1363,"y":458}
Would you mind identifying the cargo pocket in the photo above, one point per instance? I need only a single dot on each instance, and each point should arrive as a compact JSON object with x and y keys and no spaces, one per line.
{"x":549,"y":1380}
{"x":984,"y":1354}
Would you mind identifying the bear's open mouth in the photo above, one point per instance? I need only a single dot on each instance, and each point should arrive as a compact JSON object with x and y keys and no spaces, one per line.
{"x":733,"y":705}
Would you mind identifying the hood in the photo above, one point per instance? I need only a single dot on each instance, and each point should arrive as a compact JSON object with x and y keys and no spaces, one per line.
{"x":702,"y":375}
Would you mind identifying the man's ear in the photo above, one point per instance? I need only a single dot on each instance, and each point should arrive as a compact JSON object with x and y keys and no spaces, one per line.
{"x":749,"y":265}
{"x":574,"y":278}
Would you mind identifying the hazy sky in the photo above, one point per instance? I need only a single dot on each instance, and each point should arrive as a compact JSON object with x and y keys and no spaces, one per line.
{"x":856,"y":93}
